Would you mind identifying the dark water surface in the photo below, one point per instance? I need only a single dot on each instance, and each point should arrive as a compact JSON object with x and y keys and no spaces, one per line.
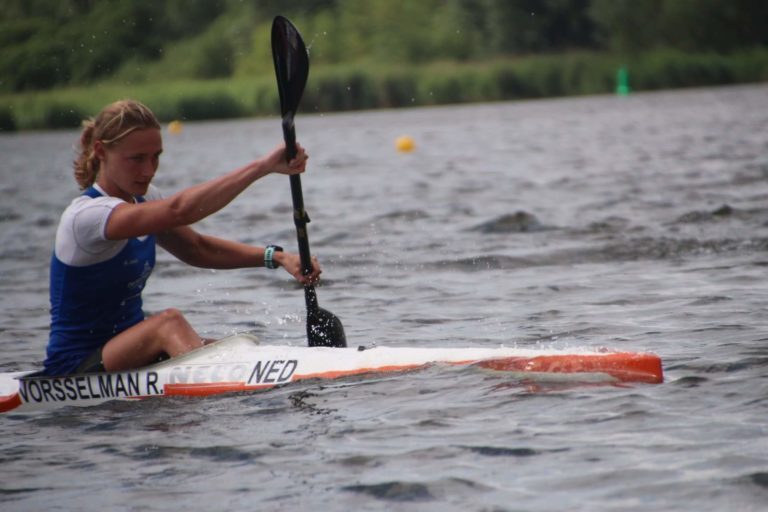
{"x":636,"y":223}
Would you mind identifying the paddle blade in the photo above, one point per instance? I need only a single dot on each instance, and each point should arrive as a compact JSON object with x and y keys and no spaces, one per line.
{"x":324,"y":329}
{"x":291,"y":65}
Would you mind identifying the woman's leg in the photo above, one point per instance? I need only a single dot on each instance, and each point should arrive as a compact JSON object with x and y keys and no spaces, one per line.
{"x":165,"y":333}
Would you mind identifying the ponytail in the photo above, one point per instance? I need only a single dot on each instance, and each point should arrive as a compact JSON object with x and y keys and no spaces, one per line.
{"x":86,"y":164}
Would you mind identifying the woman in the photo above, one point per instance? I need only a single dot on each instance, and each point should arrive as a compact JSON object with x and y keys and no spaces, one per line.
{"x":105,"y":245}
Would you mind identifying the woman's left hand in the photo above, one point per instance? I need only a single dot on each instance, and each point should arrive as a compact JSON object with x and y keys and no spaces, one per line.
{"x":276,"y":161}
{"x":292,"y":264}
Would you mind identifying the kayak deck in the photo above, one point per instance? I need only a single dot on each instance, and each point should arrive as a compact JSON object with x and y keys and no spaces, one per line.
{"x":239,"y":363}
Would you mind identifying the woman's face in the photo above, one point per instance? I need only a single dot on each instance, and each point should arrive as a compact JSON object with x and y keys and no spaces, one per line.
{"x":128,"y":166}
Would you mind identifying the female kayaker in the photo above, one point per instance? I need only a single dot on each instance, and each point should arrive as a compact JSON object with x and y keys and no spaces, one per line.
{"x":105,"y":245}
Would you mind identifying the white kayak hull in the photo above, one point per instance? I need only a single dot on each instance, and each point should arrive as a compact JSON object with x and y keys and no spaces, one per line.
{"x":239,"y":363}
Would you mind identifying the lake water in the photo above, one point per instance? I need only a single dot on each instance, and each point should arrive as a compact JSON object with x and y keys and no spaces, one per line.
{"x":636,"y":223}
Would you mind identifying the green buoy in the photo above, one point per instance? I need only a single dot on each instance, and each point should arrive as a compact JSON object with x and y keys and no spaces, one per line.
{"x":622,"y":81}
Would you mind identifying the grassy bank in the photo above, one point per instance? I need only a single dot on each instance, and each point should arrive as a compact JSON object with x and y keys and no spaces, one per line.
{"x":368,"y":86}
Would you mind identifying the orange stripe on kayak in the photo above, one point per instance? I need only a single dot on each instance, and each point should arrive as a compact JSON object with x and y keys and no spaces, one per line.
{"x":10,"y":402}
{"x":624,"y":366}
{"x":360,"y":371}
{"x":213,"y":388}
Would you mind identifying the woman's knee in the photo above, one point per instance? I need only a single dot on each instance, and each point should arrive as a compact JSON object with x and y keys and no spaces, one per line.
{"x":173,"y":318}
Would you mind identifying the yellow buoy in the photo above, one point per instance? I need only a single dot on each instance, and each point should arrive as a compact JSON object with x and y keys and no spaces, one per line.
{"x":175,"y":127}
{"x":405,"y":144}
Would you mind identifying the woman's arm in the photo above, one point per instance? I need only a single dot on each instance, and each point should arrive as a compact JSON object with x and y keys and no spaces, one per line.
{"x":197,"y":202}
{"x":207,"y":251}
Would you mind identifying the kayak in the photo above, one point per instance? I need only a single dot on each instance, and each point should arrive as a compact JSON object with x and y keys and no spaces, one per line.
{"x":239,"y":363}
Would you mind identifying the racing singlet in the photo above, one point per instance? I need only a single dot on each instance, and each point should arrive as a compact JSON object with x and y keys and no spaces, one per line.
{"x":96,"y":283}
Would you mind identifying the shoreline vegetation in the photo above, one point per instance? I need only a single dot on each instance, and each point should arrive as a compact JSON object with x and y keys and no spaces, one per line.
{"x":191,"y":60}
{"x":364,"y":86}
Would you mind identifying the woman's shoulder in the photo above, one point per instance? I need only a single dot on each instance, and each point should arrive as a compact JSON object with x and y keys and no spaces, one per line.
{"x":92,"y":208}
{"x":83,"y":201}
{"x":80,"y":234}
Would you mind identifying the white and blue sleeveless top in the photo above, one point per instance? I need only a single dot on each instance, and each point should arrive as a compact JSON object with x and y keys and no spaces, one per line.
{"x":96,"y":283}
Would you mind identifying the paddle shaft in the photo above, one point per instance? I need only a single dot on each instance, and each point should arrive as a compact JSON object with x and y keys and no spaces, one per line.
{"x":300,"y":217}
{"x":291,"y":60}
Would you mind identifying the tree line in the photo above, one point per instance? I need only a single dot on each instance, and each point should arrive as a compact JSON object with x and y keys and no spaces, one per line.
{"x":50,"y":44}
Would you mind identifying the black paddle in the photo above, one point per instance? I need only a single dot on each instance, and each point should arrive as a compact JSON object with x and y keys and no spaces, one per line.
{"x":324,"y":329}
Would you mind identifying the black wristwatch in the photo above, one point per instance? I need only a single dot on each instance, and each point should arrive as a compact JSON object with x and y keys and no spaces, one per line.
{"x":269,"y":252}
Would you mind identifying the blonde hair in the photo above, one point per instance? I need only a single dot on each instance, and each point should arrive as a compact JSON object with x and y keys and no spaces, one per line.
{"x":113,"y":123}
